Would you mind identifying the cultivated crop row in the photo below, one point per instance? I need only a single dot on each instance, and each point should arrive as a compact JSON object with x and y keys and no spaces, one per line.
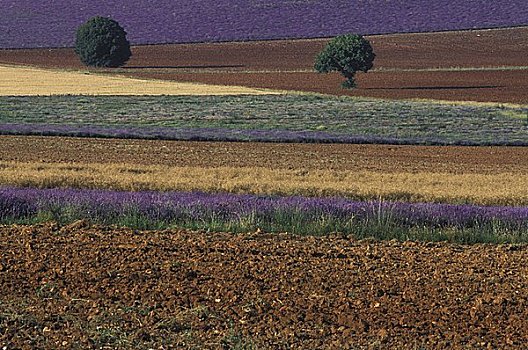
{"x":243,"y":213}
{"x":42,"y":24}
{"x":277,"y":118}
{"x":502,"y":188}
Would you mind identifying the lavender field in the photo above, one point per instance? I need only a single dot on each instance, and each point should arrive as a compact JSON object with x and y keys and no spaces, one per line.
{"x":29,"y":24}
{"x":244,"y":213}
{"x":208,"y":134}
{"x":285,"y":118}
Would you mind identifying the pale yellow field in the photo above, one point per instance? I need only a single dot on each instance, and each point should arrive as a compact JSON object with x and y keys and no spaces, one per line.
{"x":24,"y":81}
{"x":488,"y":189}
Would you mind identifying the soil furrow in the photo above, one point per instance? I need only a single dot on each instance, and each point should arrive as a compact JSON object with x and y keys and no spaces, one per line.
{"x":93,"y":286}
{"x":342,"y":157}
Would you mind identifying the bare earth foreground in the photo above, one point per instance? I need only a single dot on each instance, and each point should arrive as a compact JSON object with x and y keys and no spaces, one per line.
{"x":92,"y":287}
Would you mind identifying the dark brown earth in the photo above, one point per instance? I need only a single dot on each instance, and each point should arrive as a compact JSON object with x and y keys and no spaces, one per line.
{"x":270,"y":64}
{"x":382,"y":158}
{"x":481,"y":86}
{"x":81,"y":287}
{"x":479,"y":48}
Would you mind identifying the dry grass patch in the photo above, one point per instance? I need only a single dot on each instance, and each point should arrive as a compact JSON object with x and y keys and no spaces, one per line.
{"x":25,"y":81}
{"x":486,"y":189}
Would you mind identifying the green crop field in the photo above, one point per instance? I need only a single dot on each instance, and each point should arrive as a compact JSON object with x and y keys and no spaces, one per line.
{"x":404,"y":121}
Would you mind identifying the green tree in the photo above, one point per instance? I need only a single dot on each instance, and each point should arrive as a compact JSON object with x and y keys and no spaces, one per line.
{"x":101,"y":42}
{"x":346,"y":54}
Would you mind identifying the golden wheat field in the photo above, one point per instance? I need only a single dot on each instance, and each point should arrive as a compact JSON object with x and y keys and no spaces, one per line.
{"x":28,"y":81}
{"x":487,"y":189}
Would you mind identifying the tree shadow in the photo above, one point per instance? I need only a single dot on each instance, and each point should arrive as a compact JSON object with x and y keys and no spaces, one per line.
{"x":186,"y":67}
{"x":437,"y":87}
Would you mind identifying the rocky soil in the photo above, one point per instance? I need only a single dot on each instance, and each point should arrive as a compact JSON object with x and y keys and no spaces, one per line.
{"x":83,"y":287}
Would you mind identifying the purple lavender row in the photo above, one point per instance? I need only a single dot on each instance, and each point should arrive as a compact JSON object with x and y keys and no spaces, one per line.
{"x":183,"y":207}
{"x":28,"y":23}
{"x":227,"y":135}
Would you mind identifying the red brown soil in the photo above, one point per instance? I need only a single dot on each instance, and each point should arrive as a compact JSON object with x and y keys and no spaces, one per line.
{"x":229,"y":63}
{"x":480,"y":86}
{"x":382,"y":158}
{"x":92,"y":287}
{"x":479,"y":48}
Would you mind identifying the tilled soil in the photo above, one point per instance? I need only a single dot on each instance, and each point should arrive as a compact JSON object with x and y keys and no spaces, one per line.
{"x":243,"y":63}
{"x":478,"y":48}
{"x":92,"y":287}
{"x":505,"y":86}
{"x":383,"y":158}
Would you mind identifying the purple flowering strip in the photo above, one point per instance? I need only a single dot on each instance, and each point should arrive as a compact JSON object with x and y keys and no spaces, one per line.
{"x":176,"y":207}
{"x":225,"y":134}
{"x":28,"y":23}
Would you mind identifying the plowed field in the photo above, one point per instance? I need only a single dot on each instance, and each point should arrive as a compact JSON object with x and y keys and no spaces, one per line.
{"x":478,"y":48}
{"x":483,"y":175}
{"x":507,"y":86}
{"x":92,"y":287}
{"x":472,"y":67}
{"x":342,"y":157}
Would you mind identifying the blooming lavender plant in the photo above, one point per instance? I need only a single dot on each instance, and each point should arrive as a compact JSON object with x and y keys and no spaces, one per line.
{"x":248,"y":212}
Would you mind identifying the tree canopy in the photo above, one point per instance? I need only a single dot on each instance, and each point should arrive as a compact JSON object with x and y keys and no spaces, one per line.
{"x":102,"y":42}
{"x":346,"y":54}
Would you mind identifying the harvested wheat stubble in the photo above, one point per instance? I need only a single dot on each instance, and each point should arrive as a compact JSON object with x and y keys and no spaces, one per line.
{"x":91,"y":287}
{"x":487,"y":189}
{"x":487,"y":175}
{"x":25,"y":81}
